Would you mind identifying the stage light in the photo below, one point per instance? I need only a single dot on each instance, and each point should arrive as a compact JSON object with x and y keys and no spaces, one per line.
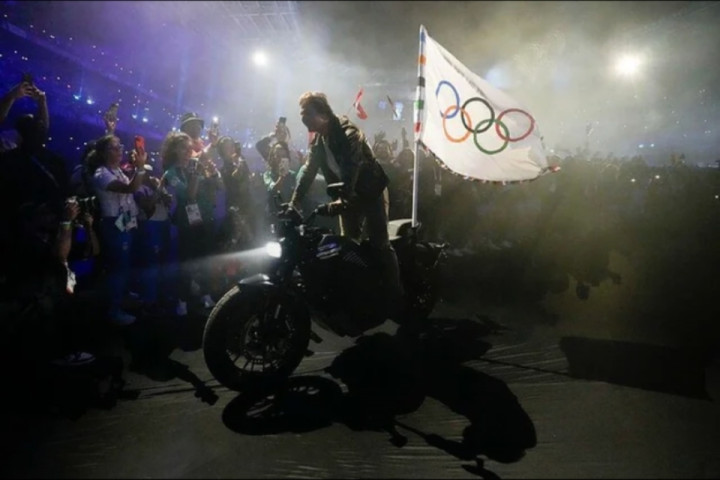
{"x":145,"y":120}
{"x":260,"y":58}
{"x":77,"y":96}
{"x":90,"y":101}
{"x":628,"y":65}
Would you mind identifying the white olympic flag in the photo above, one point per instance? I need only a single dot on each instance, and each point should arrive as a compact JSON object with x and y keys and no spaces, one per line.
{"x":473,"y":128}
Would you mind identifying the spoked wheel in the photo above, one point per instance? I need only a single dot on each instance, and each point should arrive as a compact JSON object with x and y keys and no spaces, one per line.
{"x":257,"y":336}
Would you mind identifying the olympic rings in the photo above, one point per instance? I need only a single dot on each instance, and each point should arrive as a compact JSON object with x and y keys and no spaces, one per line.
{"x":507,"y":135}
{"x":492,"y":115}
{"x":457,"y":96}
{"x":498,"y":123}
{"x":446,"y":116}
{"x":483,"y":125}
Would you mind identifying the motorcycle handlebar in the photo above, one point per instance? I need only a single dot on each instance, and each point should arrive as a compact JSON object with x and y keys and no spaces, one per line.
{"x":322,"y":210}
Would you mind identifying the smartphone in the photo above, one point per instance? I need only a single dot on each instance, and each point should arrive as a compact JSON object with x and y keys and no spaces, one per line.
{"x":111,"y":113}
{"x":27,"y":78}
{"x":282,"y":120}
{"x":139,"y":143}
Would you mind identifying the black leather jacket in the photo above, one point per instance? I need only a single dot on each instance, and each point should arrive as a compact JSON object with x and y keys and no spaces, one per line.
{"x":359,"y":170}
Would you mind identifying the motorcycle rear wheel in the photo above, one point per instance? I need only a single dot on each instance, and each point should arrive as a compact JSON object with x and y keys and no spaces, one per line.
{"x":255,"y":338}
{"x":421,"y":294}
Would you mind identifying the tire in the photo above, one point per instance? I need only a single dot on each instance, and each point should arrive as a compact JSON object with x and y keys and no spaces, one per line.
{"x":241,"y":325}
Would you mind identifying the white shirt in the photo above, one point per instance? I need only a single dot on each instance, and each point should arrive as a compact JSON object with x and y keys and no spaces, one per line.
{"x":112,"y":203}
{"x":332,"y":163}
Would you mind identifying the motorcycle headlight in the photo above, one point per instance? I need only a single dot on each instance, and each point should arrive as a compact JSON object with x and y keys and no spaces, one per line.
{"x":273,"y":249}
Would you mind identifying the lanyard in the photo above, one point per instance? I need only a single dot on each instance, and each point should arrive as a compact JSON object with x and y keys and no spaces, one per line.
{"x":124,"y":198}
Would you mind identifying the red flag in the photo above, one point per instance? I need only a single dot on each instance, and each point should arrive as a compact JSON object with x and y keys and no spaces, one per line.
{"x":359,"y":110}
{"x":358,"y":96}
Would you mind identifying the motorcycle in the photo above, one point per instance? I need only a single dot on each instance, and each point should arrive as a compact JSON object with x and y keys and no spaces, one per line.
{"x":260,"y":330}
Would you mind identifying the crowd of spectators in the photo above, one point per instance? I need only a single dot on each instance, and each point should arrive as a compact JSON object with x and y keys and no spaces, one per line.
{"x":119,"y":221}
{"x":131,"y":223}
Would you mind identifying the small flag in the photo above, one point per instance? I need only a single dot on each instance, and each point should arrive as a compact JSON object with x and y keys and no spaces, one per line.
{"x":359,"y":110}
{"x":392,"y":106}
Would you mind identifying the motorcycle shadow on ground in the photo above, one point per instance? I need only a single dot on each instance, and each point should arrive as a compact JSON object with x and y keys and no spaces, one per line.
{"x":390,"y":375}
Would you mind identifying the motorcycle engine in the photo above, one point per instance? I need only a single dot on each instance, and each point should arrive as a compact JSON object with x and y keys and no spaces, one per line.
{"x":344,"y":282}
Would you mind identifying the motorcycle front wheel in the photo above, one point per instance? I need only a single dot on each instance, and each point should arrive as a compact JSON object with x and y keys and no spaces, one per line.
{"x":255,"y":337}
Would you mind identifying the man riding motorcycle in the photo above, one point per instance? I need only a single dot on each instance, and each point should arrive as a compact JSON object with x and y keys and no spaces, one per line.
{"x":341,"y":151}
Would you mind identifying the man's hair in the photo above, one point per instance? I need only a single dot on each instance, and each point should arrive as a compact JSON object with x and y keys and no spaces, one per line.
{"x":317,"y":100}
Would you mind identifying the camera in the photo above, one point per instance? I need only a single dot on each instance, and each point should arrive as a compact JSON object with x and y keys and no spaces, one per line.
{"x":88,"y":205}
{"x":193,"y":165}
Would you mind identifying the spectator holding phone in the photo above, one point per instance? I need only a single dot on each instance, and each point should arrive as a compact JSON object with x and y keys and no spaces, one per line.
{"x":45,"y":322}
{"x":192,"y":125}
{"x":183,"y":176}
{"x":278,"y":178}
{"x":153,"y":239}
{"x":237,"y":227}
{"x":26,"y":88}
{"x":203,"y":161}
{"x":118,"y":217}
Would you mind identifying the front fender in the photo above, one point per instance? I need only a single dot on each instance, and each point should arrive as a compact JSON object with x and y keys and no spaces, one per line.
{"x":261,"y":282}
{"x":257,"y":280}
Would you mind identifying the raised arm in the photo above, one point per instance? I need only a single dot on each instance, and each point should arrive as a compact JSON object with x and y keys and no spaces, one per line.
{"x":24,"y":89}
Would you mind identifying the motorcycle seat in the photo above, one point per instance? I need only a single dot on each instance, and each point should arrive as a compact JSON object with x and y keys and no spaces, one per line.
{"x":399,"y":228}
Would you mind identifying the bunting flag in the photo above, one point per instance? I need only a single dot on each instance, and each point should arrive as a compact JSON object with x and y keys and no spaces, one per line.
{"x":392,"y":107}
{"x":471,"y":127}
{"x":359,"y":110}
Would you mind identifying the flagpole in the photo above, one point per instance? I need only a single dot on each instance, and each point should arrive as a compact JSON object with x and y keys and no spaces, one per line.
{"x":419,"y":106}
{"x":353,"y":104}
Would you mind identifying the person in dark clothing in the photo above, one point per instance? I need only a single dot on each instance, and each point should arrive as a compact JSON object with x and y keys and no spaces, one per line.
{"x":384,"y":152}
{"x":278,"y":178}
{"x":342,"y":152}
{"x":32,"y":174}
{"x":42,"y":321}
{"x":236,"y":232}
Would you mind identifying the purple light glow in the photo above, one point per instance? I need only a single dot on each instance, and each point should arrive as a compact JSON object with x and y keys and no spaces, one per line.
{"x":174,"y":66}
